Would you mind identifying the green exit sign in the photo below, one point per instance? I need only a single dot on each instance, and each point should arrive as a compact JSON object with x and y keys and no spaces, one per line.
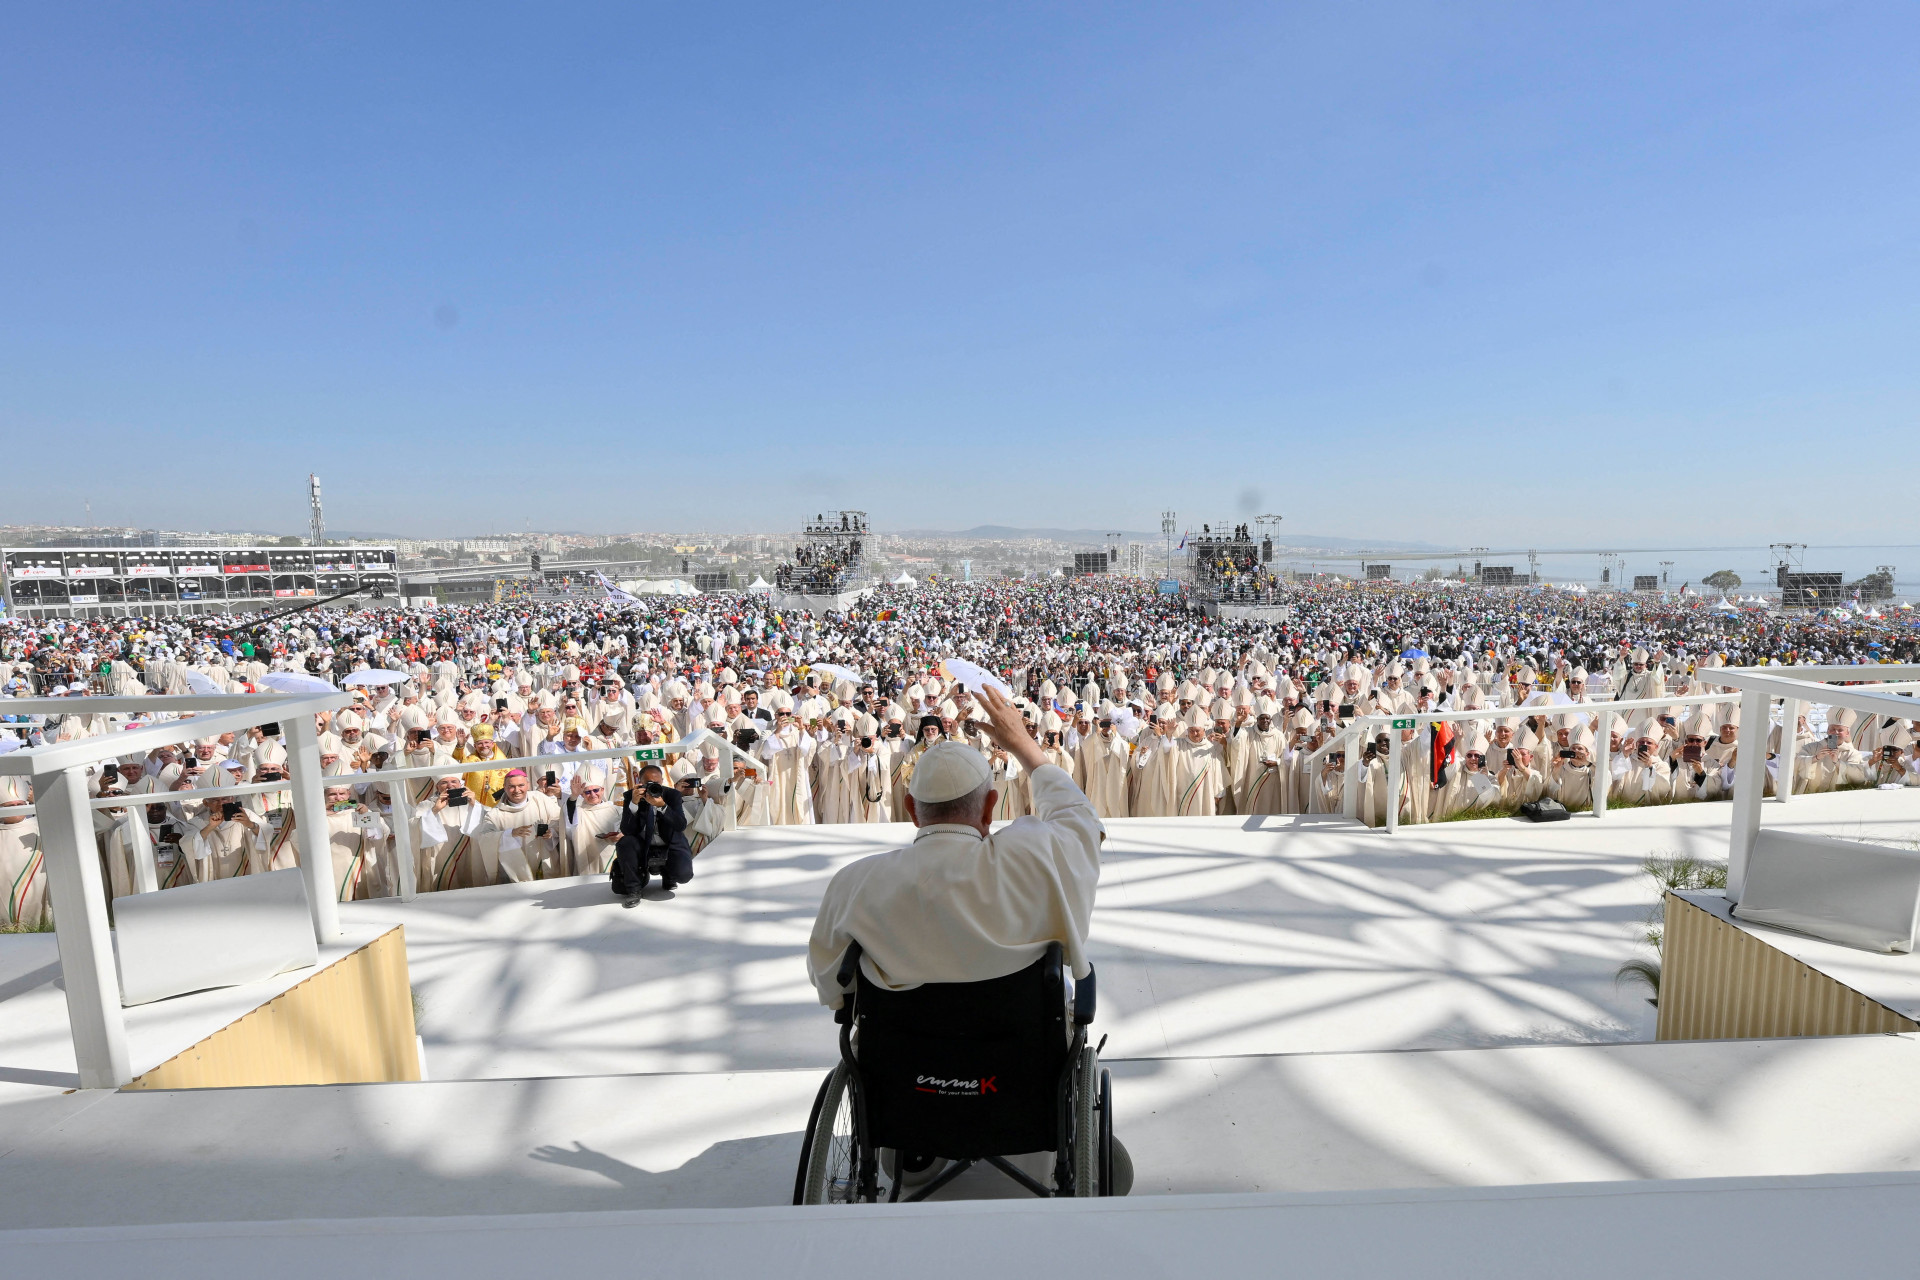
{"x":660,"y":753}
{"x":1403,"y":724}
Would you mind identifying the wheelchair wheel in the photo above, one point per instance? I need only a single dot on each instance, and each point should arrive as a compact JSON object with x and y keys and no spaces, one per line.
{"x":1108,"y":1181}
{"x":1086,"y":1146}
{"x":830,"y":1171}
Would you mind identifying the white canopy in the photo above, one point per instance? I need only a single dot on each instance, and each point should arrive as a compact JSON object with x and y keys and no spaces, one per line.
{"x":905,"y":581}
{"x":660,"y":587}
{"x":759,"y":584}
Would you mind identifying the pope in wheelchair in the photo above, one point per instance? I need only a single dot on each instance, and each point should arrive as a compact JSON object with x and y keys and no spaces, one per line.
{"x":957,"y":970}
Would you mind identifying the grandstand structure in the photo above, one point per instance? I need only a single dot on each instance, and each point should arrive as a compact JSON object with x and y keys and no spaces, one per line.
{"x":96,"y":582}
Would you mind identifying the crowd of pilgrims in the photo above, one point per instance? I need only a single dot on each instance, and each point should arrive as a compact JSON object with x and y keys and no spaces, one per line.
{"x":1153,"y":708}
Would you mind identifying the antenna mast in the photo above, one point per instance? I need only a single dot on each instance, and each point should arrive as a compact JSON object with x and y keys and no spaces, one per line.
{"x":316,"y":523}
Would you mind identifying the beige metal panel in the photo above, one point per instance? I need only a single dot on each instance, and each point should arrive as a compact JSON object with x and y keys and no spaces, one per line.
{"x":1718,"y":982}
{"x":351,"y":1023}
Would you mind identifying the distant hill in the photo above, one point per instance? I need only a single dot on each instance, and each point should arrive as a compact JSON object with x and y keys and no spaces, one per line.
{"x":1098,"y":537}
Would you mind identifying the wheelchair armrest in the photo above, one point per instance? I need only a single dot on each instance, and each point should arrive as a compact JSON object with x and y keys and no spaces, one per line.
{"x":1084,"y":1000}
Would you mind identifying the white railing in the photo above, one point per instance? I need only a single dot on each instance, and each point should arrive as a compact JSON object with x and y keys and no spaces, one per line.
{"x":1795,"y":687}
{"x":59,"y":774}
{"x":146,"y":874}
{"x":1602,"y":756}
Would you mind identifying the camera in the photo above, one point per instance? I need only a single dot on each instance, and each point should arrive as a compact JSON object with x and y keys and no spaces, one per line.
{"x":866,"y":741}
{"x":229,"y":811}
{"x":655,"y":789}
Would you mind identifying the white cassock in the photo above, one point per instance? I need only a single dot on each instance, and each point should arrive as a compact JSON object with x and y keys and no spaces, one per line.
{"x":1266,"y":785}
{"x":590,"y":854}
{"x":23,"y":874}
{"x":1200,"y":781}
{"x":532,"y":856}
{"x":1157,"y":774}
{"x":955,"y":906}
{"x":788,"y":752}
{"x":869,"y":777}
{"x":361,"y":868}
{"x":832,"y":798}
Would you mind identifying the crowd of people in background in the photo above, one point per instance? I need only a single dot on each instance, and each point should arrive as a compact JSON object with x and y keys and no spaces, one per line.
{"x":779,"y":718}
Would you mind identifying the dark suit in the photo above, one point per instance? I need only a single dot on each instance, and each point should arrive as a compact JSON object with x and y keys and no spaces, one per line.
{"x":639,"y":823}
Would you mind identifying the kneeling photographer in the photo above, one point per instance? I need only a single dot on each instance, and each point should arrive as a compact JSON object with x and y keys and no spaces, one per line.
{"x":653,"y":838}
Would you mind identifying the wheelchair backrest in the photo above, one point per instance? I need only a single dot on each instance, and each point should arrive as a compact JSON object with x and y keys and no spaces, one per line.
{"x":964,"y":1069}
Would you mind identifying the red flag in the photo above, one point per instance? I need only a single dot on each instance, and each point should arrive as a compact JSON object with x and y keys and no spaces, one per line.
{"x":1443,"y":744}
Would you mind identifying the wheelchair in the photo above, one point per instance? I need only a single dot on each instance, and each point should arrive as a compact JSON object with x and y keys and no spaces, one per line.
{"x":961,"y":1073}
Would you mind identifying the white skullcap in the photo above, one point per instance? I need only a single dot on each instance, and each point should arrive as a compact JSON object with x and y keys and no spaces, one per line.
{"x":947,"y":771}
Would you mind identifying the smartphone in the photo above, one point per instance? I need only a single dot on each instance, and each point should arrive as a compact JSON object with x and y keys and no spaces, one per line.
{"x":499,"y":704}
{"x":271,"y":730}
{"x":109,"y":772}
{"x":1566,"y":753}
{"x":1690,"y":752}
{"x":1346,"y":711}
{"x":541,"y":829}
{"x":458,"y":797}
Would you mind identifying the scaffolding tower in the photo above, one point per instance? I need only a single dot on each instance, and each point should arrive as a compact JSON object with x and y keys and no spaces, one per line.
{"x":830,"y":558}
{"x":1230,"y":566}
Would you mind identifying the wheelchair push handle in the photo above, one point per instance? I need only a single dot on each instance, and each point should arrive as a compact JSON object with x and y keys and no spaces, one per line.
{"x":849,"y":966}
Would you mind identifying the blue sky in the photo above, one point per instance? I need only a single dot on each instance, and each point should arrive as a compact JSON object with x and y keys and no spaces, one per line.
{"x":1395,"y":271}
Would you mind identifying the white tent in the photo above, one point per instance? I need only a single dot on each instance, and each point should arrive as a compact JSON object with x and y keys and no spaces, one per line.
{"x":759,"y":584}
{"x":660,"y":587}
{"x":905,"y":580}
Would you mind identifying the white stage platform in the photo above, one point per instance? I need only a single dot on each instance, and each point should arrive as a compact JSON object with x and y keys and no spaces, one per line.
{"x":1296,"y":1123}
{"x":1212,"y":937}
{"x":1754,"y":1228}
{"x":1295,"y":1006}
